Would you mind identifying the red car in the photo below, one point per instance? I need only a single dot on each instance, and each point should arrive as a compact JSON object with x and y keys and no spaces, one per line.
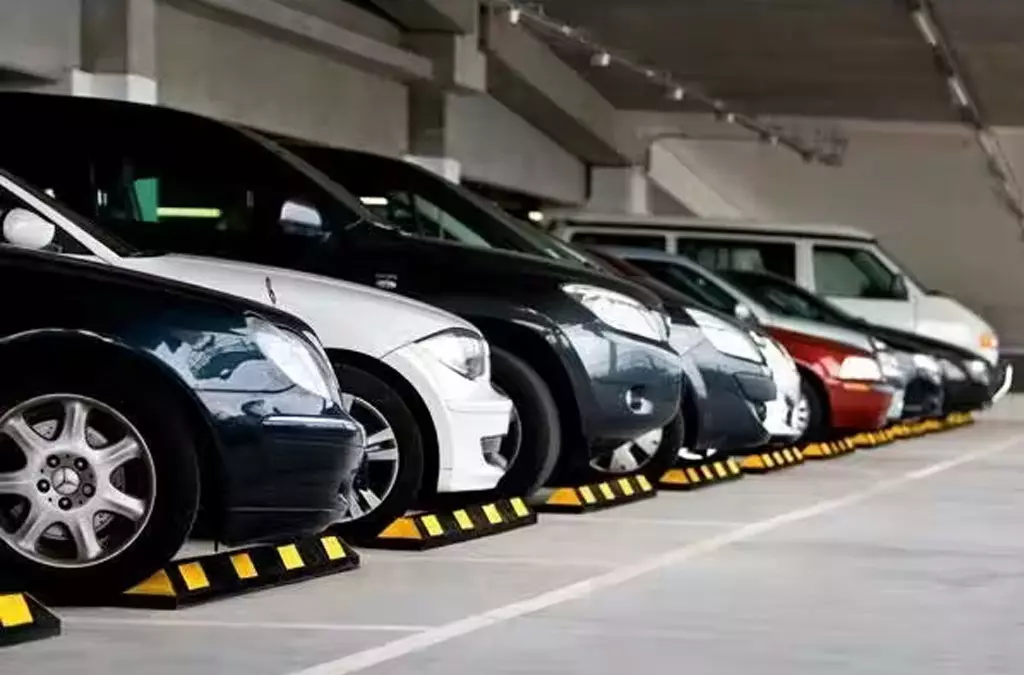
{"x":845,"y":392}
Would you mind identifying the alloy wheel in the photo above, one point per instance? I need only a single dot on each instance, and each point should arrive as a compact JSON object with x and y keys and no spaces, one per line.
{"x":77,"y":481}
{"x":631,"y":456}
{"x":376,"y":476}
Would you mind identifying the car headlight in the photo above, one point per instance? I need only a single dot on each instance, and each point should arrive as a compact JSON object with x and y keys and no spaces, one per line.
{"x":951,"y":371}
{"x":462,"y":350}
{"x":860,"y":368}
{"x":620,"y":311}
{"x":988,"y":341}
{"x":301,"y":360}
{"x":725,"y":337}
{"x":978,"y":370}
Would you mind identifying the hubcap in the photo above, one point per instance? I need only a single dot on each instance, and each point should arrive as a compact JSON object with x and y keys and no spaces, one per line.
{"x":631,"y":456}
{"x":77,"y":482}
{"x":376,"y":476}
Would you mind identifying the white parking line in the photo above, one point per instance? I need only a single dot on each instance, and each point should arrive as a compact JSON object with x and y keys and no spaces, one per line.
{"x":597,"y":519}
{"x":490,"y":560}
{"x":261,"y":625}
{"x":440,"y":634}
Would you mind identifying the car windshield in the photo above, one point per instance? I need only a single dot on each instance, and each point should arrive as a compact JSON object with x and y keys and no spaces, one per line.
{"x":688,"y":281}
{"x":423,"y":204}
{"x":115,"y":244}
{"x":783,"y":297}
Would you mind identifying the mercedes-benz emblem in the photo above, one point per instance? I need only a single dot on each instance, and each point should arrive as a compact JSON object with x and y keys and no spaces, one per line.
{"x":65,"y":481}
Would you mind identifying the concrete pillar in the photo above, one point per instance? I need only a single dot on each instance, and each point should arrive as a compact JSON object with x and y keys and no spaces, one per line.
{"x":118,"y":45}
{"x":619,"y":189}
{"x":446,"y":167}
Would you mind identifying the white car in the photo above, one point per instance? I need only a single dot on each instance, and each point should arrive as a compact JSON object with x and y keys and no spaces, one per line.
{"x":416,"y":377}
{"x":845,"y":265}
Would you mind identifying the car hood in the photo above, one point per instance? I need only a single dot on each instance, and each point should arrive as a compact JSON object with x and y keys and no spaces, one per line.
{"x":846,"y":336}
{"x":344,"y":315}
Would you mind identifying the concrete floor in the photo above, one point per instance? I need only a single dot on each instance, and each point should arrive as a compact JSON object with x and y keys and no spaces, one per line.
{"x":906,"y":559}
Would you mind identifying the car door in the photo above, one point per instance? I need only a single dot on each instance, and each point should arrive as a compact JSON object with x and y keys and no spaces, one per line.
{"x":853,"y":277}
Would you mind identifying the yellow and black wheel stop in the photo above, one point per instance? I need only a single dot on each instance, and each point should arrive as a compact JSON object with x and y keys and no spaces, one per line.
{"x":830,"y":449}
{"x":768,"y":461}
{"x":585,"y":498}
{"x":24,"y":619}
{"x":422,"y":531}
{"x":695,"y":476}
{"x":200,"y":579}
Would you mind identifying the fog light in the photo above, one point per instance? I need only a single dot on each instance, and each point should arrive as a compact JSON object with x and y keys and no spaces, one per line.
{"x":637,"y":402}
{"x":761,"y":410}
{"x":490,"y":447}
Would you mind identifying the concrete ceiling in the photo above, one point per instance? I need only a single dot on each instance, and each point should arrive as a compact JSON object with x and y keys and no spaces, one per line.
{"x":846,"y":58}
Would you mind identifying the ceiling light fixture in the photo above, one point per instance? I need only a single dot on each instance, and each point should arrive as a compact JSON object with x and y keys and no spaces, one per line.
{"x":601,"y":59}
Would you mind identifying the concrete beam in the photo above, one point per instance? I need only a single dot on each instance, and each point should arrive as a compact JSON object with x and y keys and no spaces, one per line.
{"x":289,"y":24}
{"x":529,"y":78}
{"x":441,"y":16}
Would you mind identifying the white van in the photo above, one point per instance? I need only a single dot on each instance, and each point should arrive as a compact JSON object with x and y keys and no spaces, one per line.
{"x":844,"y":264}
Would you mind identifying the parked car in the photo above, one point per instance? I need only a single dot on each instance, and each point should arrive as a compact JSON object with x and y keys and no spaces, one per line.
{"x":584,"y":357}
{"x":848,"y":381}
{"x":845,"y":265}
{"x":949,"y":379}
{"x":421,"y":388}
{"x":729,"y":402}
{"x":130,"y":406}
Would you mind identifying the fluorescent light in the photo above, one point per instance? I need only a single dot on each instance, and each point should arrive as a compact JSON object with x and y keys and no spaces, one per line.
{"x":925,"y":26}
{"x":601,"y":59}
{"x":374,"y":201}
{"x":187,"y":212}
{"x":535,"y":216}
{"x":514,"y":15}
{"x":677,"y":93}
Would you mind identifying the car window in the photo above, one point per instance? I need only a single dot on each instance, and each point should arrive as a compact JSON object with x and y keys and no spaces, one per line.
{"x":649,"y":241}
{"x":851,"y":272}
{"x":752,"y":256}
{"x":194,"y":188}
{"x":418,"y":216}
{"x":785,"y":299}
{"x":689,"y":282}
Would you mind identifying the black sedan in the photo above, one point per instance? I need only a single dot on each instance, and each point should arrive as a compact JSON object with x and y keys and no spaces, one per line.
{"x":131,"y":408}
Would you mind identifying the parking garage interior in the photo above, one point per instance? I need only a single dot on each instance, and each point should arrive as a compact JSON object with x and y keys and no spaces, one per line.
{"x":901,"y":118}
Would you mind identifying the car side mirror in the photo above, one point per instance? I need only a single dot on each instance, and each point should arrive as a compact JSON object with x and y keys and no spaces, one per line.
{"x":301,"y":218}
{"x":743,"y":313}
{"x":27,"y":229}
{"x":898,"y":288}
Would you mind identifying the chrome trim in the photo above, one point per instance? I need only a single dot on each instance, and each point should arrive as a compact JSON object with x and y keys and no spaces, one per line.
{"x":309,"y":421}
{"x":1005,"y":386}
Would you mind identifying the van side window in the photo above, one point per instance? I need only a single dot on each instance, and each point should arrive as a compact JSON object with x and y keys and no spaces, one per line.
{"x":850,"y":272}
{"x":745,"y":256}
{"x":648,"y":241}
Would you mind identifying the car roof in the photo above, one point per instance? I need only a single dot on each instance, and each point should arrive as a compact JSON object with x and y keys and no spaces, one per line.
{"x":676,"y":223}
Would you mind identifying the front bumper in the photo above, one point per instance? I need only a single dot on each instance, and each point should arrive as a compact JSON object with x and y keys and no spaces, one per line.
{"x":779,"y":411}
{"x":626,"y":386}
{"x":924,"y":397}
{"x":736,"y":391}
{"x":1001,"y":380}
{"x":468,"y":416}
{"x":856,"y":406}
{"x":293,"y":467}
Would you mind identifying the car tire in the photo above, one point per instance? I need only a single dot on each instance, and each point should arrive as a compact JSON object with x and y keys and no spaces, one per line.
{"x":817,"y":418}
{"x":535,"y":427}
{"x":383,"y":412}
{"x":167,"y":454}
{"x":658,"y":459}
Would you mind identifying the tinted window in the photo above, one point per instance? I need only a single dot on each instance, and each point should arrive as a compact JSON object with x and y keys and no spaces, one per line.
{"x":784,"y":298}
{"x":192,"y":186}
{"x":753,"y":256}
{"x":688,"y":281}
{"x":850,"y":272}
{"x":649,"y":241}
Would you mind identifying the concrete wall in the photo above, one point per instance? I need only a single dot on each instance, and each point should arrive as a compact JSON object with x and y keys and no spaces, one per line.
{"x":922,"y":190}
{"x":498,"y":147}
{"x":214,"y":68}
{"x":39,"y":38}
